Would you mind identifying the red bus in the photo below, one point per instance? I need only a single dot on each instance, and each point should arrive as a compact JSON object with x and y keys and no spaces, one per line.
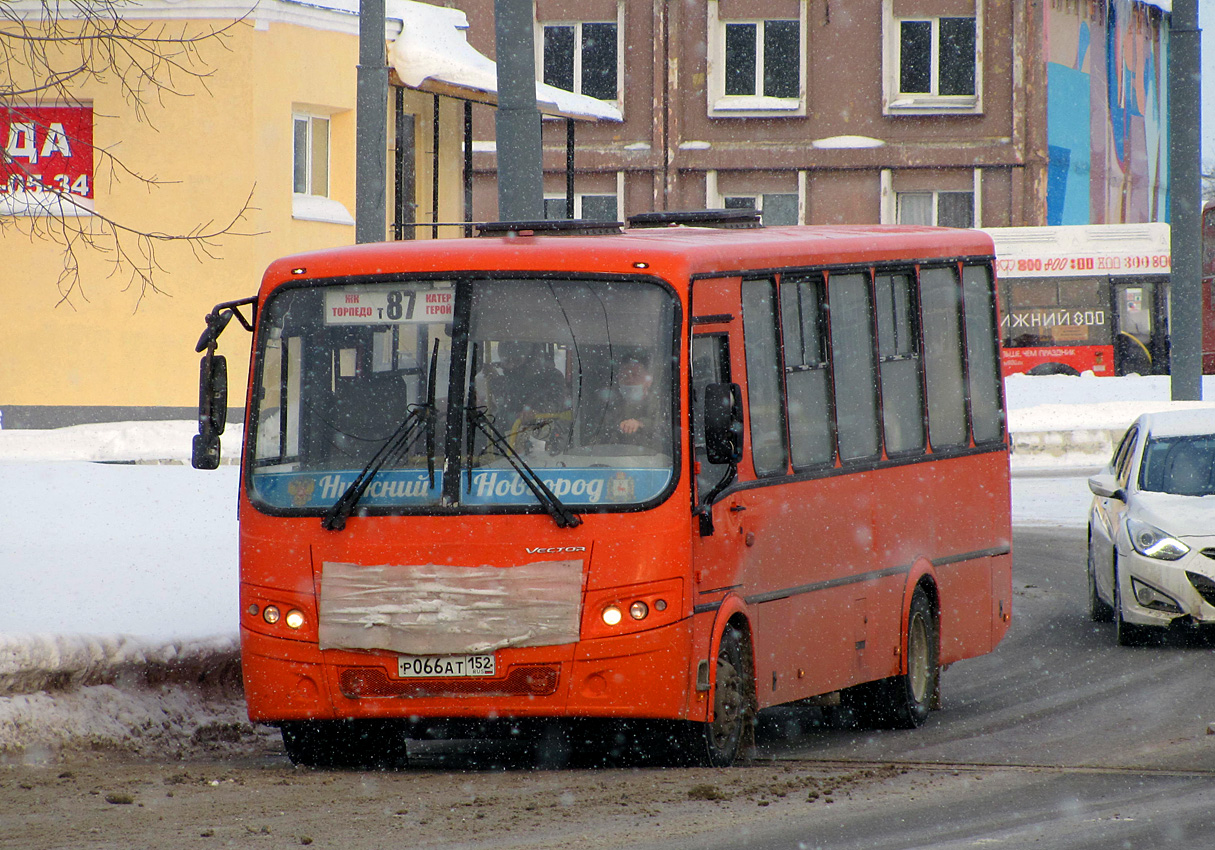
{"x":1084,"y":298}
{"x":664,"y":476}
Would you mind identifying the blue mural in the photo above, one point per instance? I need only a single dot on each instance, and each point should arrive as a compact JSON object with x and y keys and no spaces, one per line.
{"x":1107,"y":129}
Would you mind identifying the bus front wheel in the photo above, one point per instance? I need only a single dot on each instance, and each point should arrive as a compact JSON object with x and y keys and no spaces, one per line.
{"x":719,"y":742}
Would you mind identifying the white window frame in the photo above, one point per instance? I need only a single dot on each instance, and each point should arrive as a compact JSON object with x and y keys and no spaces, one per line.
{"x":578,"y":196}
{"x":577,"y":25}
{"x":721,"y":105}
{"x":308,"y":205}
{"x":890,"y":198}
{"x":716,"y":199}
{"x":894,"y":101}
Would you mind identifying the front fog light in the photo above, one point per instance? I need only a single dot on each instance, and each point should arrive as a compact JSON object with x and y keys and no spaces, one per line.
{"x":612,"y":615}
{"x":271,"y":614}
{"x":639,"y":610}
{"x":295,"y":618}
{"x":1150,"y":597}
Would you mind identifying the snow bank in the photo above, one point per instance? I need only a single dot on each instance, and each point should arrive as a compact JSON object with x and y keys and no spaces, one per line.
{"x":74,"y":693}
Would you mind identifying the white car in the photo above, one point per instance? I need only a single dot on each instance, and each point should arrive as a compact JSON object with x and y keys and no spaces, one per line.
{"x":1151,"y":527}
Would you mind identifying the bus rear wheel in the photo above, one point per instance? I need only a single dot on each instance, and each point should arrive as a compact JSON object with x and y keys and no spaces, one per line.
{"x":719,"y":742}
{"x":903,"y":701}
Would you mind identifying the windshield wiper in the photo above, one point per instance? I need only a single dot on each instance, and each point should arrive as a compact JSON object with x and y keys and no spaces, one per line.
{"x":418,"y":422}
{"x":563,"y":516}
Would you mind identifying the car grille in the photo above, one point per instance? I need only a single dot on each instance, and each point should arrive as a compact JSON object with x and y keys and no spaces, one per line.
{"x":1204,"y":585}
{"x":534,"y":680}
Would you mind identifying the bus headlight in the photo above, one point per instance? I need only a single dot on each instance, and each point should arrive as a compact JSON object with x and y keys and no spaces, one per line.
{"x":295,"y":618}
{"x":639,"y":610}
{"x":612,"y":615}
{"x":271,"y":614}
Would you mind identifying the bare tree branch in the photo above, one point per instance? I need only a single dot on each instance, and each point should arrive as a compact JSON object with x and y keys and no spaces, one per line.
{"x":48,"y":50}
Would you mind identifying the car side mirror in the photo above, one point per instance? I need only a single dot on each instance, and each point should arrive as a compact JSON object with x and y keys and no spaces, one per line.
{"x":1106,"y":486}
{"x":723,"y":423}
{"x":212,"y":410}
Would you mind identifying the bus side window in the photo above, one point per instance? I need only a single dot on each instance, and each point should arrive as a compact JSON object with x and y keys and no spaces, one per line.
{"x":940,"y":300}
{"x":803,"y":322}
{"x":853,"y":365}
{"x":766,"y":407}
{"x":710,"y":365}
{"x":899,"y":363}
{"x":982,"y":356}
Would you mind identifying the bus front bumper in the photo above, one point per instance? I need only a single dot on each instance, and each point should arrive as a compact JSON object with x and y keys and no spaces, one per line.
{"x":649,"y":674}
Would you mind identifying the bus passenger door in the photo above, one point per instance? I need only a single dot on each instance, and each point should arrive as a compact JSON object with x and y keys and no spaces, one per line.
{"x":1140,"y":327}
{"x":717,"y":539}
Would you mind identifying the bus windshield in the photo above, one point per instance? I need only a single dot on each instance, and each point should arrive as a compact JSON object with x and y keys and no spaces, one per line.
{"x":453,"y":392}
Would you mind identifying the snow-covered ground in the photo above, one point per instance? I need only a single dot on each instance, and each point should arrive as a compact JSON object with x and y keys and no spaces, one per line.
{"x":118,"y":564}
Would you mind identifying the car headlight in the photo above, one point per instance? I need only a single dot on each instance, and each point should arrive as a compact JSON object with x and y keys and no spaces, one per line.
{"x":1151,"y":541}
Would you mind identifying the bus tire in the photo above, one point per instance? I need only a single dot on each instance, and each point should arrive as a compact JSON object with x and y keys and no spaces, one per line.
{"x":719,"y":742}
{"x":903,"y":701}
{"x":343,"y":744}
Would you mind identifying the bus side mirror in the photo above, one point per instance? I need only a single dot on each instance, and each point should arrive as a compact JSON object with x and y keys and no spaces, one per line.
{"x":723,"y":423}
{"x":212,"y":410}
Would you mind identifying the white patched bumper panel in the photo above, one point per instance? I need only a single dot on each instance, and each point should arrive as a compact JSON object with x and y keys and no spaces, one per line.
{"x":435,"y":609}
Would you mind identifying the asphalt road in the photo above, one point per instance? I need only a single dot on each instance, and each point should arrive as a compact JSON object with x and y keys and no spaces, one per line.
{"x":1058,"y":739}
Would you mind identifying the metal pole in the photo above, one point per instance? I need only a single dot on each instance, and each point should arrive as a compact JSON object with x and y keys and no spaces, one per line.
{"x":569,"y":167}
{"x":468,"y":167}
{"x":520,"y":175}
{"x":434,"y":172}
{"x":371,"y":126}
{"x":1185,"y":201}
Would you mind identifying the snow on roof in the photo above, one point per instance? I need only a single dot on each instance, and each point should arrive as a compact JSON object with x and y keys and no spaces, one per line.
{"x":432,"y":54}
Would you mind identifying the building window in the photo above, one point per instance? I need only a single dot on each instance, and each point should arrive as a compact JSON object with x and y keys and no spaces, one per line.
{"x":582,"y":58}
{"x":755,"y":66}
{"x":311,"y":155}
{"x":932,"y":64}
{"x":776,"y":209}
{"x":592,"y":207}
{"x":310,"y":172}
{"x":943,"y":209}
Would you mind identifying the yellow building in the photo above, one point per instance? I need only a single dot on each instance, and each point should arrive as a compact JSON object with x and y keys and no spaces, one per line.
{"x":272,"y":123}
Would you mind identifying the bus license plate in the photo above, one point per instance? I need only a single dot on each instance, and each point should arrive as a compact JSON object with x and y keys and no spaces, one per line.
{"x":436,"y":666}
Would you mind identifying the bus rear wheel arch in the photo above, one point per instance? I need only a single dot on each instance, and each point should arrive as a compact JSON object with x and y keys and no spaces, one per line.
{"x":904,"y":701}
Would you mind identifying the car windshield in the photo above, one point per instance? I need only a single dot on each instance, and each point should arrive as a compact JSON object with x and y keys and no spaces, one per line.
{"x":572,"y":379}
{"x":1179,"y":465}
